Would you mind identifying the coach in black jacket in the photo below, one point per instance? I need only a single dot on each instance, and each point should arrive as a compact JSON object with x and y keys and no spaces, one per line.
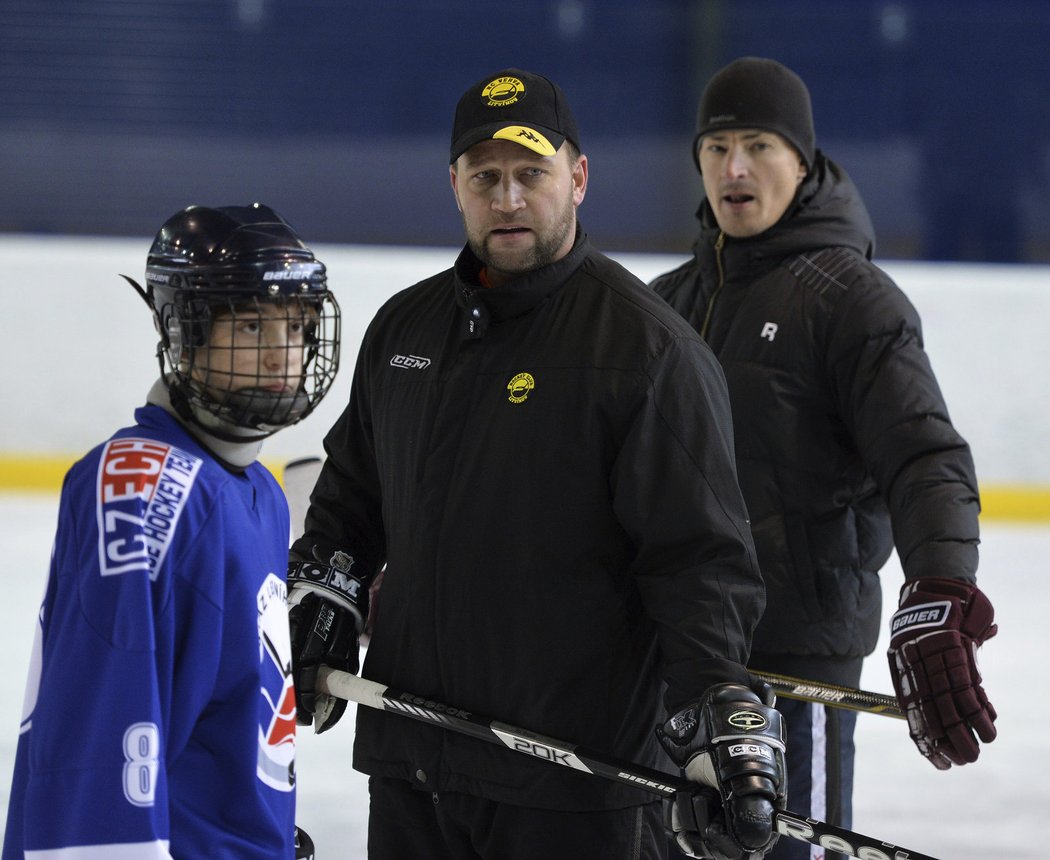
{"x":844,"y":445}
{"x":539,"y":451}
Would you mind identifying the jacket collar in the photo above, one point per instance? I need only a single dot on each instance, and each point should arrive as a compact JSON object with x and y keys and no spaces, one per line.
{"x":827,"y":212}
{"x":232,"y":456}
{"x":482,"y":306}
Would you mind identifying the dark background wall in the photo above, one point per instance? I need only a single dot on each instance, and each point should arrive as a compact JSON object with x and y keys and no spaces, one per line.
{"x":115,"y":113}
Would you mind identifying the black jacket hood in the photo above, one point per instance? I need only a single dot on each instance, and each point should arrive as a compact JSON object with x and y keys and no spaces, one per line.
{"x":844,"y":446}
{"x":827,"y":212}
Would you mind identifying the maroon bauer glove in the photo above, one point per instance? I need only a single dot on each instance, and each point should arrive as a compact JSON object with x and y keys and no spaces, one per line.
{"x":934,"y":638}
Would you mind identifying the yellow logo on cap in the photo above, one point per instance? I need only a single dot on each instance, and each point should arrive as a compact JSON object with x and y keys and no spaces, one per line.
{"x":502,"y":92}
{"x":526,"y":137}
{"x":520,"y":386}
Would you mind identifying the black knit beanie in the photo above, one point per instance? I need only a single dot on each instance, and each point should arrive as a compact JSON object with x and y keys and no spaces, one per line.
{"x":754,"y":92}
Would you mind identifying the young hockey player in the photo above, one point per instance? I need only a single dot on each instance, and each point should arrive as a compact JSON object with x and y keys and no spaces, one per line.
{"x":159,"y":716}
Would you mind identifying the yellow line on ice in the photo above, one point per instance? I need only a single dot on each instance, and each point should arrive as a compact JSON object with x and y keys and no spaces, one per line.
{"x":1000,"y":502}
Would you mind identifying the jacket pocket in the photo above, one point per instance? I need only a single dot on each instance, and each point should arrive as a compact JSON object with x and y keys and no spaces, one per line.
{"x":806,"y":576}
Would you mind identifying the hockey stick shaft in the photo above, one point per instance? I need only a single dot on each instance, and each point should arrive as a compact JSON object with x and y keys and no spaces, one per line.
{"x":832,"y":695}
{"x":373,"y":695}
{"x":300,"y":475}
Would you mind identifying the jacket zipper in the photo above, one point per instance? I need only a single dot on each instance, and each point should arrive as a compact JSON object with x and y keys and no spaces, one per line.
{"x":719,"y":242}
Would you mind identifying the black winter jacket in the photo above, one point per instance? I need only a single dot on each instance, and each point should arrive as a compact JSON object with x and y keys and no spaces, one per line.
{"x":844,"y":445}
{"x":547,"y":471}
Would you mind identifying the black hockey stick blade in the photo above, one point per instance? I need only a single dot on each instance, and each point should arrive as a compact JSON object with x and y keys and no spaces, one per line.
{"x":832,"y":695}
{"x":373,"y":695}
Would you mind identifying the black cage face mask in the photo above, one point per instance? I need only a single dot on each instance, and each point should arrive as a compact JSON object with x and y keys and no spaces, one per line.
{"x":251,"y":363}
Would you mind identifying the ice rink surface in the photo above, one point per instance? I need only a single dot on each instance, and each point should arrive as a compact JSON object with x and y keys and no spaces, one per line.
{"x":990,"y":809}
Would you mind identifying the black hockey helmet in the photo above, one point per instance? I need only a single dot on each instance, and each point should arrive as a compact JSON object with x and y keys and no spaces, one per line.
{"x":233,"y":262}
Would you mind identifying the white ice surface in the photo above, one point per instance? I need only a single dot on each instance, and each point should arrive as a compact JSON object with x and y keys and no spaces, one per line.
{"x":987,"y":810}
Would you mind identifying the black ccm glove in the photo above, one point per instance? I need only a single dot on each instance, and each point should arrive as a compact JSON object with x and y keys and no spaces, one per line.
{"x":732,"y":746}
{"x":327,"y":606}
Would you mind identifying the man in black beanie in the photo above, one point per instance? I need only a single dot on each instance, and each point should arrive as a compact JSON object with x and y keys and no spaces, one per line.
{"x":843,"y":442}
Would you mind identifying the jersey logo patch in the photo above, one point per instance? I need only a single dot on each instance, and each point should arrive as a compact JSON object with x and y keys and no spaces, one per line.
{"x":142,"y":490}
{"x":275,"y":764}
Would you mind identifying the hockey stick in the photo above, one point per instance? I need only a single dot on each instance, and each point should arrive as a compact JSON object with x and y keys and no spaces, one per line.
{"x":373,"y":695}
{"x":299,"y":477}
{"x":831,"y":694}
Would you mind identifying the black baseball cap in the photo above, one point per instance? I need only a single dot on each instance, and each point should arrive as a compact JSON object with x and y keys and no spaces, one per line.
{"x":514,"y":105}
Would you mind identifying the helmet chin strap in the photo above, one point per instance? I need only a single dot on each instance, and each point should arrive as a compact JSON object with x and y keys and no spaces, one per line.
{"x":237,"y":446}
{"x":258,"y":407}
{"x":216,"y":426}
{"x":247,"y":414}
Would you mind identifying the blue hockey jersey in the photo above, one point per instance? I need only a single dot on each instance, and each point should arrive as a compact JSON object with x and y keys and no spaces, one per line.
{"x":159,"y":716}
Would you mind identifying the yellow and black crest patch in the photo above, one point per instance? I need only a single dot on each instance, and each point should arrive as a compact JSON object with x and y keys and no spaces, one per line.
{"x":502,"y":92}
{"x":520,"y":386}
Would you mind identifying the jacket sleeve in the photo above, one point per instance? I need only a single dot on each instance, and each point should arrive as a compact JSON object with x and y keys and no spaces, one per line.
{"x":897,"y":417}
{"x":675,"y":491}
{"x":345,"y":505}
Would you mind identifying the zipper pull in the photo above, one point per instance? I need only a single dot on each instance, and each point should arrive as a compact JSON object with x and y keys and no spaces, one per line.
{"x":719,"y":244}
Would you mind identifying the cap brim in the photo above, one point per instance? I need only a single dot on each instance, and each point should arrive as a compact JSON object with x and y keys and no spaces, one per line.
{"x":542,"y":141}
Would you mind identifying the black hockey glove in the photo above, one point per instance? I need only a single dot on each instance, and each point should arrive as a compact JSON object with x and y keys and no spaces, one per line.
{"x":304,"y":845}
{"x":732,"y":746}
{"x":327,"y":607}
